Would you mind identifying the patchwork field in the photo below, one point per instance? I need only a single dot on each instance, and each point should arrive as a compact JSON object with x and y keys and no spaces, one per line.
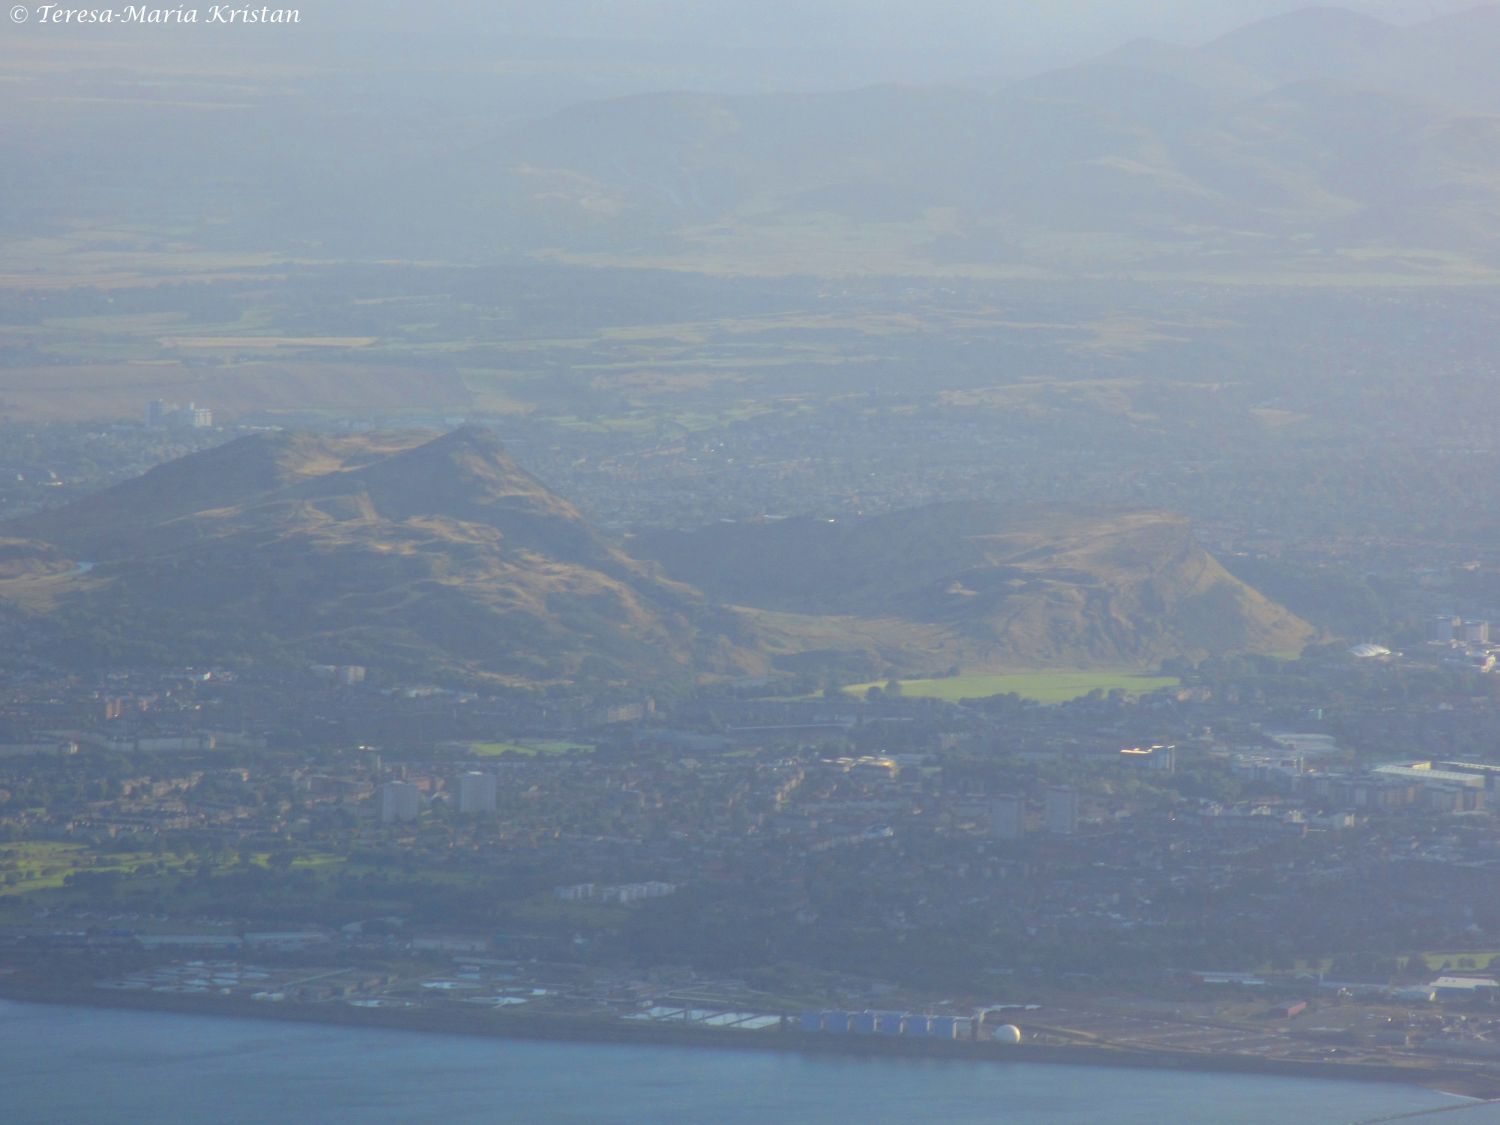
{"x":65,"y":392}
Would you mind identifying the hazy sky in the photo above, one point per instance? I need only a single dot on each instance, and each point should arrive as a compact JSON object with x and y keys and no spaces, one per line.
{"x":931,"y":20}
{"x":564,"y":50}
{"x":969,"y":33}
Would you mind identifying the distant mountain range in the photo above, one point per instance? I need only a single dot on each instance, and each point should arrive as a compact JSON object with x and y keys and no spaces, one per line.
{"x":1290,"y":144}
{"x":1318,"y":144}
{"x":424,"y":555}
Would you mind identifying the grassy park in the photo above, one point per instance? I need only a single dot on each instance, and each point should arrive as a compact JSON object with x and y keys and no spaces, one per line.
{"x":1040,"y":687}
{"x":526,"y":747}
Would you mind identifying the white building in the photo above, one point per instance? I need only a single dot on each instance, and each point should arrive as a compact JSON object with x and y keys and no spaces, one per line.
{"x":1423,"y":773}
{"x":1159,"y":757}
{"x":624,"y":893}
{"x":476,"y":792}
{"x":399,"y":801}
{"x":1007,"y":818}
{"x":1442,"y":627}
{"x":1062,"y":810}
{"x":160,"y":413}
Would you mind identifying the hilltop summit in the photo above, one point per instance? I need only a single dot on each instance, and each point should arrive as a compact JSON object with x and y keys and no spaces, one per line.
{"x":411,"y":550}
{"x":987,"y":587}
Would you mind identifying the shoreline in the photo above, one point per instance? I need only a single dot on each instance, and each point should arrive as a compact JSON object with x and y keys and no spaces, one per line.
{"x":484,"y":1023}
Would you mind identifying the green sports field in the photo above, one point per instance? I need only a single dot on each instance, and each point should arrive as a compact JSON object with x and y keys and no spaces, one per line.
{"x":527,"y":747}
{"x":1042,"y":687}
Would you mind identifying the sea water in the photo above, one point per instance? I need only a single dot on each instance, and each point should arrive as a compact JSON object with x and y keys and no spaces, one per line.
{"x":83,"y":1065}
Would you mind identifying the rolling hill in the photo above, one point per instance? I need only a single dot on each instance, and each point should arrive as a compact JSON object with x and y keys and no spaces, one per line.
{"x":429,"y":555}
{"x":408,"y":552}
{"x":979,"y":587}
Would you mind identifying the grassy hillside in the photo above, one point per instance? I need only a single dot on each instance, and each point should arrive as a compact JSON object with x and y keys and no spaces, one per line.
{"x":972,"y":586}
{"x":409,"y":552}
{"x":427,"y":555}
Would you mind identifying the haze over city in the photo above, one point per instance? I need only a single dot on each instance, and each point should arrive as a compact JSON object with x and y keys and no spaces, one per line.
{"x":894,"y":538}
